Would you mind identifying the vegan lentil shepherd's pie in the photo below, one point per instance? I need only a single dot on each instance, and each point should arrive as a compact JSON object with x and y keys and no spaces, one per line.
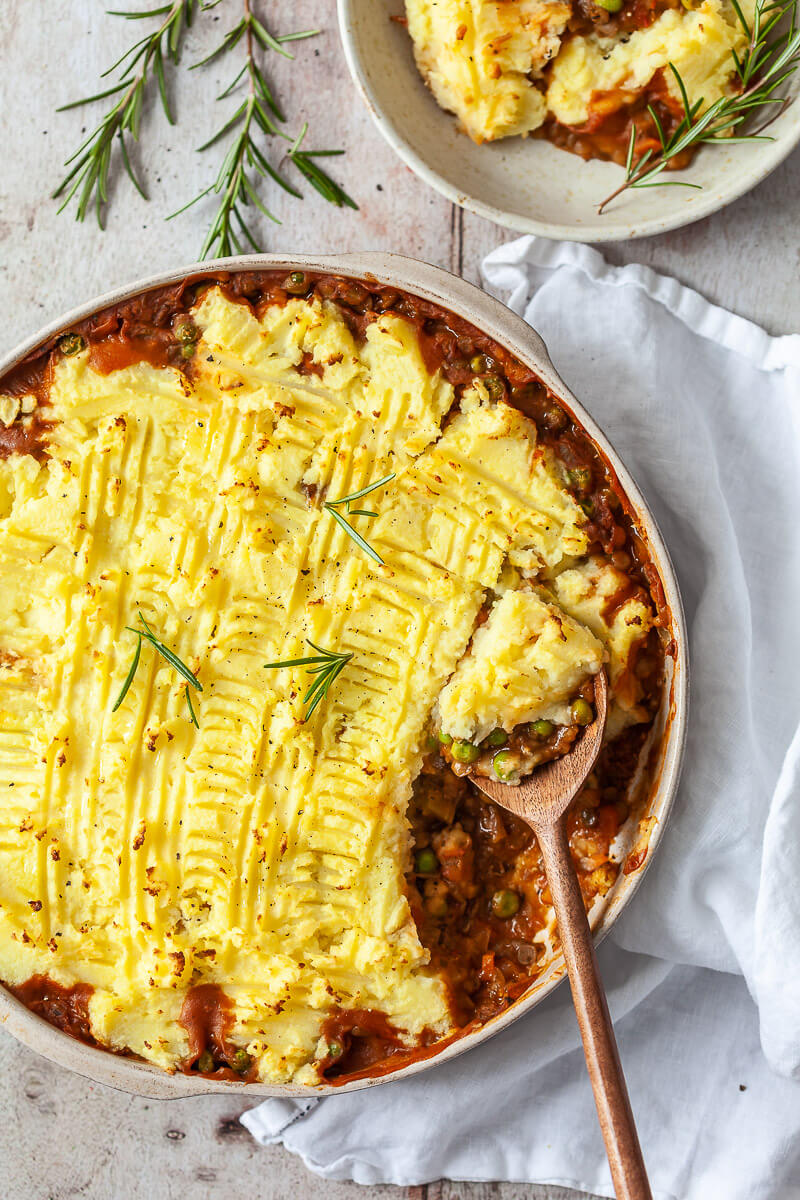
{"x":285,"y":560}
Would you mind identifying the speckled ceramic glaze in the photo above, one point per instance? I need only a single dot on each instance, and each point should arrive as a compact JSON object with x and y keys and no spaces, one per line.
{"x":518,"y":337}
{"x":526,"y":184}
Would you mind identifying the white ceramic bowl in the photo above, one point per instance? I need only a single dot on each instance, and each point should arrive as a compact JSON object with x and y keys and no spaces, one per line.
{"x":512,"y":332}
{"x":531,"y":185}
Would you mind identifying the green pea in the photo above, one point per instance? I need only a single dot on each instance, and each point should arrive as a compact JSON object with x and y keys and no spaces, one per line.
{"x":611,"y":6}
{"x":581,"y":479}
{"x":431,"y":742}
{"x":185,"y":330}
{"x":241,"y":1061}
{"x":555,"y":419}
{"x":465,"y":752}
{"x":71,"y":343}
{"x":505,"y":765}
{"x":494,"y":386}
{"x":582,"y":712}
{"x":426,"y":862}
{"x":188,"y":349}
{"x":295,"y":283}
{"x":505,"y":903}
{"x":335,"y":1050}
{"x":479,"y":364}
{"x":542,"y":729}
{"x":445,"y":739}
{"x":498,"y":737}
{"x":205,"y":1063}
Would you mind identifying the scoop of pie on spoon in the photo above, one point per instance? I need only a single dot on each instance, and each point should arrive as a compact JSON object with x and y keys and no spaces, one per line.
{"x":542,"y":799}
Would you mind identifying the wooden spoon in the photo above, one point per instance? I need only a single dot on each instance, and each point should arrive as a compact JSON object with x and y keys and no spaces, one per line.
{"x":542,"y":799}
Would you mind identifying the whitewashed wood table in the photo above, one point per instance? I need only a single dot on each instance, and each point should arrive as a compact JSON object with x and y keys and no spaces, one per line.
{"x":61,"y":1136}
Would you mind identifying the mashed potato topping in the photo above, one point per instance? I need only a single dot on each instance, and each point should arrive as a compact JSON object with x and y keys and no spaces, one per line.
{"x":525,"y":664}
{"x":505,"y":66}
{"x":264,"y":853}
{"x":478,"y":59}
{"x":588,"y":593}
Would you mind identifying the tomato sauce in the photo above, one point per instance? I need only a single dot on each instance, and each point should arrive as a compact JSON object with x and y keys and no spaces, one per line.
{"x":65,"y":1007}
{"x":483,"y":852}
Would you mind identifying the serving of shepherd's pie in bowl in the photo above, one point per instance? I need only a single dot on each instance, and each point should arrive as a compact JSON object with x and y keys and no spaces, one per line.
{"x":550,"y":116}
{"x":289,"y":552}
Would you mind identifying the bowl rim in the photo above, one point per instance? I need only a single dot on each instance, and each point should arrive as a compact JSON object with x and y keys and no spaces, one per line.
{"x":511,"y":331}
{"x":712,"y":200}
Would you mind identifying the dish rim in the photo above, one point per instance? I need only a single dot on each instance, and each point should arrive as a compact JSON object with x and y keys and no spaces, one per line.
{"x":770,"y":157}
{"x":511,"y":331}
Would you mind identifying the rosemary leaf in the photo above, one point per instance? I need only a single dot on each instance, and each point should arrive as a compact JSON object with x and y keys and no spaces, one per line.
{"x":300,"y":36}
{"x":231,"y":86}
{"x":267,"y":40}
{"x":192,"y":714}
{"x":126,"y":162}
{"x":365,"y":491}
{"x":118,"y":87}
{"x":631,"y":150}
{"x":296,"y":662}
{"x":131,"y":672}
{"x":139,"y":16}
{"x":228,"y":42}
{"x":318,"y":693}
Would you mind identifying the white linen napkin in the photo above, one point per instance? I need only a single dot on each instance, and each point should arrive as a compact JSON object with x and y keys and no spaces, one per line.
{"x":703,"y":969}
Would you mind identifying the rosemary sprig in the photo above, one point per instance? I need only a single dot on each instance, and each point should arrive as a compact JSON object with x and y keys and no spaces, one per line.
{"x":327,"y":665}
{"x":146,"y":634}
{"x":332,"y":506}
{"x":767,"y":62}
{"x":90,"y":165}
{"x":245,"y":162}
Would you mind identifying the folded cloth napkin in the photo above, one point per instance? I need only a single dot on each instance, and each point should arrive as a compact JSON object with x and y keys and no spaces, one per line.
{"x":703,"y":969}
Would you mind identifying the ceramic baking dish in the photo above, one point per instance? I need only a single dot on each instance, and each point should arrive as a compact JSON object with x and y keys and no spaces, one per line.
{"x":669,"y":729}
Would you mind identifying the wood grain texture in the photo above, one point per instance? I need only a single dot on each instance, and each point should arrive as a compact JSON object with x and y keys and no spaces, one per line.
{"x":61,"y":1136}
{"x":64,"y":1138}
{"x":613,"y":1104}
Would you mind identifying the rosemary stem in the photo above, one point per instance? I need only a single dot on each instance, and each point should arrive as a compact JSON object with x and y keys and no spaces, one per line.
{"x":617,"y":192}
{"x":248,"y":16}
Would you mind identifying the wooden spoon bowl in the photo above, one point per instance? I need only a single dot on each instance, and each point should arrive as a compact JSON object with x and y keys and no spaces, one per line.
{"x":542,"y":800}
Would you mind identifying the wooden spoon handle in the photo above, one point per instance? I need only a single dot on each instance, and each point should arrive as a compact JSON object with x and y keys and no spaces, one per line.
{"x":599,"y":1044}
